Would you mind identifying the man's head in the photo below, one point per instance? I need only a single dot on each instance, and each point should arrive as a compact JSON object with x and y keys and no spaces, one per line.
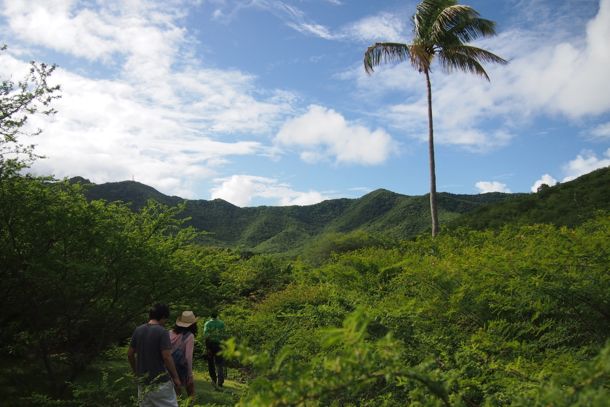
{"x":159,"y":312}
{"x":214,"y":314}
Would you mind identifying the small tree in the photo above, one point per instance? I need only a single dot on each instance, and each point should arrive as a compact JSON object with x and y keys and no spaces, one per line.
{"x":18,"y":100}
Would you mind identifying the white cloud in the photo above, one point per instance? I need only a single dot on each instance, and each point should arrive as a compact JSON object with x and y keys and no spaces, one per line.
{"x":382,"y":27}
{"x":104,"y":132}
{"x":291,"y":15}
{"x":602,"y":131}
{"x":546,"y":179}
{"x":557,"y":73}
{"x":157,"y":116}
{"x":240,"y":190}
{"x":323,"y":133}
{"x":549,"y":74}
{"x":312,"y":28}
{"x":584,"y":163}
{"x":491,"y":186}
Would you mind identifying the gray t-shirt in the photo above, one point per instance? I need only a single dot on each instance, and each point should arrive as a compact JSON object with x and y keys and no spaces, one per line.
{"x":148,"y":341}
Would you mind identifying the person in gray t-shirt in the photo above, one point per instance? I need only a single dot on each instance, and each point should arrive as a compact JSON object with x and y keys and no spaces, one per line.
{"x":150,"y":358}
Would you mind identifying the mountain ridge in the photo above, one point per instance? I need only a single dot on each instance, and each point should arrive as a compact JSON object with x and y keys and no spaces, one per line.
{"x":383,"y":212}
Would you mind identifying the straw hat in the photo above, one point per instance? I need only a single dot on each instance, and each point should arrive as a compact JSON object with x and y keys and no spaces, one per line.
{"x":186,"y":319}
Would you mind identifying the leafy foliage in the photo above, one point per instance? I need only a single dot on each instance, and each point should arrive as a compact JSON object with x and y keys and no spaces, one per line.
{"x":76,"y":275}
{"x":471,"y":318}
{"x":18,"y":100}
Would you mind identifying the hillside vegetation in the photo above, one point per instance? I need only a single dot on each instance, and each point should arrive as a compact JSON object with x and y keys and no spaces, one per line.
{"x":274,"y":229}
{"x":516,"y":316}
{"x":565,"y":204}
{"x":289,"y":230}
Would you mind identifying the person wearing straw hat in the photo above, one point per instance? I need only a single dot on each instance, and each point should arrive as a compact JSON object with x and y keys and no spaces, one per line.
{"x":182,"y":338}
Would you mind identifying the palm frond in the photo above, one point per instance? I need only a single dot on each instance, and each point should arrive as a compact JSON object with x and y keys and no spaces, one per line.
{"x":448,"y":18}
{"x":470,"y":30}
{"x":460,"y":23}
{"x":460,"y":62}
{"x":384,"y":52}
{"x":426,"y":14}
{"x":468,"y":59}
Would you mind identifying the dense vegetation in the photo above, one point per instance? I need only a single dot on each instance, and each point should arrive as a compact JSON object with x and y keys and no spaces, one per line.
{"x":515,"y":313}
{"x":566,"y":204}
{"x":515,"y":316}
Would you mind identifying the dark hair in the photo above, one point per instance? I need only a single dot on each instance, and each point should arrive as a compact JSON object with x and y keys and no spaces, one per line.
{"x":214,"y":314}
{"x":181,"y":329}
{"x":159,"y":312}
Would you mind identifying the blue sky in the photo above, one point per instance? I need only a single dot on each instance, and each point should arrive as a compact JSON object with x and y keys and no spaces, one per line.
{"x":266,"y":102}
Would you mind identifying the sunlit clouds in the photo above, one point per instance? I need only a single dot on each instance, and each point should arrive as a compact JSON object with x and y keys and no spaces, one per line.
{"x":491,"y":186}
{"x":240,"y":190}
{"x":324,"y":134}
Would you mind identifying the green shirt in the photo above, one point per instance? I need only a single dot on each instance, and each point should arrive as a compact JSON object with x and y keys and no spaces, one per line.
{"x":214,"y":329}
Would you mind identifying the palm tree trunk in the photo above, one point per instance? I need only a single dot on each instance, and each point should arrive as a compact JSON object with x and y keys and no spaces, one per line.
{"x":433,"y":210}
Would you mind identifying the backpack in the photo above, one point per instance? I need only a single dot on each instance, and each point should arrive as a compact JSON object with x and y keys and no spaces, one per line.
{"x":179,"y":356}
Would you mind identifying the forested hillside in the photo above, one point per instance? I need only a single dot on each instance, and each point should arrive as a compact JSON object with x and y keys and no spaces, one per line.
{"x":565,"y":204}
{"x":390,"y":215}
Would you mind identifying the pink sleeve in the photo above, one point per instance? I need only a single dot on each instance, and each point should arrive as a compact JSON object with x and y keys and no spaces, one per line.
{"x":189,"y":346}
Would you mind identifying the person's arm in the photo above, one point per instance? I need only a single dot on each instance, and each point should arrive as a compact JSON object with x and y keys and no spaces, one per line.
{"x":189,"y":345}
{"x":131,"y":357}
{"x":223,"y":333}
{"x":205,"y":329}
{"x":169,"y":365}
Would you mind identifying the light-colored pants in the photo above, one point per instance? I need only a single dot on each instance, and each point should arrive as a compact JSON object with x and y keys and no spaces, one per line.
{"x":161,"y":396}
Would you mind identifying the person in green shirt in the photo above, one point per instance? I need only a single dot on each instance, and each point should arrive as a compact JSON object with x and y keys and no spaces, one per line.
{"x":213,"y":334}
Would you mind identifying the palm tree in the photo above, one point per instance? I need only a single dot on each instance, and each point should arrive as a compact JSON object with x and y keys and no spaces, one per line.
{"x":441,"y":28}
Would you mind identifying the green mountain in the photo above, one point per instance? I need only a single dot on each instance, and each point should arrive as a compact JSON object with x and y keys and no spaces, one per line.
{"x":382,"y":212}
{"x":565,"y":204}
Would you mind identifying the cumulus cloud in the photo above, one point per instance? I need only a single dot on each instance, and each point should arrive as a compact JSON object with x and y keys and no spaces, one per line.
{"x":147,"y":113}
{"x":548,"y":76}
{"x":104,"y":132}
{"x":323,"y":133}
{"x":546,"y":179}
{"x":561,"y":73}
{"x":240,"y":190}
{"x":491,"y":186}
{"x":584,"y":163}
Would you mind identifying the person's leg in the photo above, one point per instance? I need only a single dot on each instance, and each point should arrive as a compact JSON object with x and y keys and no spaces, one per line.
{"x":166,"y":395}
{"x":190,"y":390}
{"x":220,"y":369}
{"x":142,"y":399}
{"x":162,"y":396}
{"x":211,"y":368}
